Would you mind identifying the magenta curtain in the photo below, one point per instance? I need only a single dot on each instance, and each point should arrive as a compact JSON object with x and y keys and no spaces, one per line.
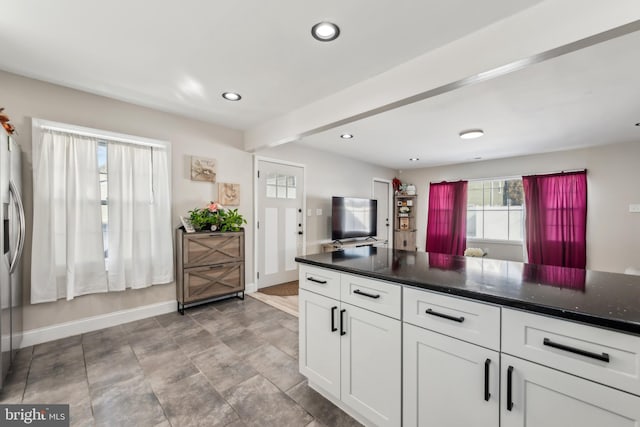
{"x":556,"y":219}
{"x":447,"y":218}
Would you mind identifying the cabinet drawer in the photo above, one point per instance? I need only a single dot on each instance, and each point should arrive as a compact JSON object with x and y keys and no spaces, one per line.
{"x":211,"y":281}
{"x":375,"y":295}
{"x":212,"y":248}
{"x":320,"y":280}
{"x":598,"y":354}
{"x":470,"y":321}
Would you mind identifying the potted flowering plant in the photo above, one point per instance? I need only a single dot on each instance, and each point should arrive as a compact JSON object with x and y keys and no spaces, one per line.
{"x":214,"y":217}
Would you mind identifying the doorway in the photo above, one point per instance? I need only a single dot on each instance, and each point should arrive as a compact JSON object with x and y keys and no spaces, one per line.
{"x":381,"y":191}
{"x":280,"y":206}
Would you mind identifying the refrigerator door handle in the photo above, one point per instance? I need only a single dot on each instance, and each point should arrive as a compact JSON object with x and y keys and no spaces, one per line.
{"x":21,"y":237}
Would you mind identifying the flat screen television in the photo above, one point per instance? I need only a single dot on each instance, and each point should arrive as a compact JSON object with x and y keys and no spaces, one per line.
{"x":352,"y":217}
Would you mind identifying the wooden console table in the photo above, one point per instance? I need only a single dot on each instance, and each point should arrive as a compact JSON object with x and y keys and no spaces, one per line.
{"x":209,"y":265}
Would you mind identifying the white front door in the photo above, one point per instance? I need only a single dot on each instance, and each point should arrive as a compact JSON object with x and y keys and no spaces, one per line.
{"x":382,"y":193}
{"x":280,"y":197}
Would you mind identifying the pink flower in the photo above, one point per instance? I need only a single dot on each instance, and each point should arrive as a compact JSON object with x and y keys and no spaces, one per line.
{"x":213,"y":207}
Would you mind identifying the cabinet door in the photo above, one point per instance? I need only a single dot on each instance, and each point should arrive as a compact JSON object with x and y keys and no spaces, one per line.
{"x":320,"y":340}
{"x":544,"y":397}
{"x":448,"y":382}
{"x":404,"y":240}
{"x":371,"y":365}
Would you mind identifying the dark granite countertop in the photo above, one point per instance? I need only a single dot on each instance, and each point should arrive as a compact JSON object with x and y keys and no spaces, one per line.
{"x":609,"y":300}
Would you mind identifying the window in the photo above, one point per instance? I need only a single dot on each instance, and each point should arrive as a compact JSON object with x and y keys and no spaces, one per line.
{"x":495,"y":209}
{"x":281,"y":186}
{"x":104,"y":192}
{"x":102,"y":212}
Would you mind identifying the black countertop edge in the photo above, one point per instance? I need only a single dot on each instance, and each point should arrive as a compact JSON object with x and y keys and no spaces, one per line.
{"x":615,"y":325}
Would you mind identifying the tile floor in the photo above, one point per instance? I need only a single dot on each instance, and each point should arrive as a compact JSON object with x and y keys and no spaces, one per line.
{"x":232,"y":363}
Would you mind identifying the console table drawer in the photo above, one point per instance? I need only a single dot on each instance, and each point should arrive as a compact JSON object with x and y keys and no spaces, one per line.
{"x":598,"y":354}
{"x":212,"y":281}
{"x":320,"y":280}
{"x":212,"y":248}
{"x":470,"y":321}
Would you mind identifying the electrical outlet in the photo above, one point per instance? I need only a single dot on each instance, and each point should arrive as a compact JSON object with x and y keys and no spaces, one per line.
{"x":635,"y":208}
{"x":318,"y":212}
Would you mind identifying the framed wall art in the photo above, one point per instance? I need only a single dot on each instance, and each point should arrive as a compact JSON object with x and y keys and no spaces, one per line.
{"x":228,"y":194}
{"x":203,"y":169}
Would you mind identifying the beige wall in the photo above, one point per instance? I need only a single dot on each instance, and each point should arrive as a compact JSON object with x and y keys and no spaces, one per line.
{"x":613,"y":180}
{"x":327,"y":175}
{"x":25,"y":98}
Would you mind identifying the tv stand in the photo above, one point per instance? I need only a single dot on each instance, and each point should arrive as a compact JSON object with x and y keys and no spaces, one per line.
{"x":338,"y":245}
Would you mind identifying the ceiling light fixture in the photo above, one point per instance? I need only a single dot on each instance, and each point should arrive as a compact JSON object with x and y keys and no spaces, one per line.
{"x":346,"y":136}
{"x":414,"y":159}
{"x":231,"y":96}
{"x":638,"y":124}
{"x":471,"y":133}
{"x":477,"y":158}
{"x":325,"y":31}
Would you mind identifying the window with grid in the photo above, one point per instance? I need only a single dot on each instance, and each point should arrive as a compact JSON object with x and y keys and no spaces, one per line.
{"x":495,"y":209}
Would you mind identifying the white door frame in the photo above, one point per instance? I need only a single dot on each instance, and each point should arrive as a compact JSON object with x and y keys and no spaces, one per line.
{"x":256,"y":160}
{"x":389,"y":206}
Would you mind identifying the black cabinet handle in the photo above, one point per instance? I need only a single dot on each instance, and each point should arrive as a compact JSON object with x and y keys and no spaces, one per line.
{"x":342,"y":331}
{"x":509,"y":388}
{"x":445,"y":316}
{"x":487,"y":395}
{"x":312,"y":279}
{"x":603,"y":356}
{"x":333,"y":318}
{"x":364,"y":294}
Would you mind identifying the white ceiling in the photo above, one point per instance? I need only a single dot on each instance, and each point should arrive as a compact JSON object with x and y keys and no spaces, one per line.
{"x":180,"y":56}
{"x":586,"y":98}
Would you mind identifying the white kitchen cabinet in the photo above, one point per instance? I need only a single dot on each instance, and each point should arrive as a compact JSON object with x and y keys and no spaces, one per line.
{"x":319,"y":341}
{"x":351,"y":354}
{"x":448,"y":382}
{"x":538,"y":396}
{"x":371,"y":365}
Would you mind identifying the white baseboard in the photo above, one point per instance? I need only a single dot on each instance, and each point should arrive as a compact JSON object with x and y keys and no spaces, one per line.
{"x":250,"y":288}
{"x":88,"y":324}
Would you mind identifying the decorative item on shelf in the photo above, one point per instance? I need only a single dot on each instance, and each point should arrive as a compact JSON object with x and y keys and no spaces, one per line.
{"x":396,"y":185}
{"x":474,"y":252}
{"x":404,"y":211}
{"x":411,"y":190}
{"x":403,"y":189}
{"x":203,"y":169}
{"x":214,"y":217}
{"x":404,"y":223}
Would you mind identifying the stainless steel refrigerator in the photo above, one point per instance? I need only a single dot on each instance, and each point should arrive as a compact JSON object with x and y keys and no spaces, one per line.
{"x":12,"y":236}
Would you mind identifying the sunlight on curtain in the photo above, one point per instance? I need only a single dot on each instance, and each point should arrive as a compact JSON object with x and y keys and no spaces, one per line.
{"x":67,"y":249}
{"x":139,"y":234}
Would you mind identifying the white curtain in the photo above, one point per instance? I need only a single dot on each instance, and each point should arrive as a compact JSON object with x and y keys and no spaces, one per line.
{"x":67,"y":247}
{"x":140,"y":244}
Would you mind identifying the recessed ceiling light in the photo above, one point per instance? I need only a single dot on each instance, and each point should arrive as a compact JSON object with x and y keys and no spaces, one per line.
{"x":414,"y":159}
{"x":231,"y":96}
{"x":346,"y":136}
{"x":471,"y":133}
{"x":638,"y":124}
{"x":325,"y":31}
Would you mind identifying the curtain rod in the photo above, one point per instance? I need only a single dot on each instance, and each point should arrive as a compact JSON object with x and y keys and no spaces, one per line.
{"x":506,"y":178}
{"x":99,"y":134}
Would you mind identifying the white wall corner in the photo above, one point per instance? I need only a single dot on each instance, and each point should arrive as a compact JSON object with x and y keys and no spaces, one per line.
{"x":94,"y":323}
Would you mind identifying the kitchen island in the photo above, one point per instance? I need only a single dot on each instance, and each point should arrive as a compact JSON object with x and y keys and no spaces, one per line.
{"x":394,"y":337}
